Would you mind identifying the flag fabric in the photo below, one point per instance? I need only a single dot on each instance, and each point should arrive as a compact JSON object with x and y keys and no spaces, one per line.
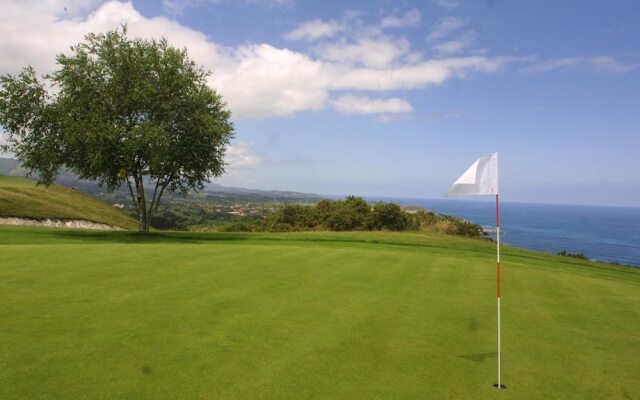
{"x":480,"y":179}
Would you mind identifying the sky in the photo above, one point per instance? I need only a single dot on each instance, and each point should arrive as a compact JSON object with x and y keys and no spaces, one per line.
{"x":394,"y":98}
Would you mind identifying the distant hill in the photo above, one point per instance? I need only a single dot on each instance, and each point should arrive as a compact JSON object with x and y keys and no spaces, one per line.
{"x":20,"y":197}
{"x":9,"y":166}
{"x":12,"y":167}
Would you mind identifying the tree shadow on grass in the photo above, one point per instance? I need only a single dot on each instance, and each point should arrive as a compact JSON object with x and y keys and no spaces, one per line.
{"x":46,"y":236}
{"x":152,"y":237}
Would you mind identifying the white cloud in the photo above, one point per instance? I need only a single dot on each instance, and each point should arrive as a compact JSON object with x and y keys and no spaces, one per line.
{"x":239,"y":155}
{"x":372,"y":52}
{"x":314,"y":30}
{"x":415,"y":76}
{"x":257,"y":80}
{"x":35,"y":35}
{"x":598,"y":63}
{"x":411,"y":18}
{"x":262,"y":80}
{"x":351,"y":104}
{"x":455,"y":46}
{"x":444,"y":27}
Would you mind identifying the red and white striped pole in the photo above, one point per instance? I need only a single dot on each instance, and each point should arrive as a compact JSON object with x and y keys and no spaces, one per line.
{"x":499,"y":385}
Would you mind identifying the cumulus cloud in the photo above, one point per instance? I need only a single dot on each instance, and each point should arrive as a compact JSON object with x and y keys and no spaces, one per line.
{"x":419,"y":75}
{"x":257,"y":80}
{"x":598,"y":63}
{"x":240,"y":155}
{"x":411,"y":18}
{"x":373,"y":52}
{"x":262,"y":80}
{"x":35,"y":35}
{"x":314,"y":30}
{"x":351,"y":104}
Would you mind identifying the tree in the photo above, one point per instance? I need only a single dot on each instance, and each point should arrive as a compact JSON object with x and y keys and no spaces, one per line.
{"x":120,"y":111}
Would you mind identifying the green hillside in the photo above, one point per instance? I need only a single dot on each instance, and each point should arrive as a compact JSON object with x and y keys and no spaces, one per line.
{"x":116,"y":315}
{"x":20,"y":197}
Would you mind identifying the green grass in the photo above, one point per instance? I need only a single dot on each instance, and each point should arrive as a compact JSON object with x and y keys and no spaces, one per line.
{"x":116,"y":315}
{"x":21,"y":197}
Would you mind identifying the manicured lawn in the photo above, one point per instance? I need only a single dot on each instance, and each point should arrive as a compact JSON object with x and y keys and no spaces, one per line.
{"x":306,"y":316}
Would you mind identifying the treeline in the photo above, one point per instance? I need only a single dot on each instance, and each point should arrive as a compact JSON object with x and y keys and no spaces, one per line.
{"x":354,"y":214}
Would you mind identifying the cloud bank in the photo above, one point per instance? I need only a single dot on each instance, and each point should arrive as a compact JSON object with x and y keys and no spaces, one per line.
{"x":258,"y":80}
{"x":343,"y":61}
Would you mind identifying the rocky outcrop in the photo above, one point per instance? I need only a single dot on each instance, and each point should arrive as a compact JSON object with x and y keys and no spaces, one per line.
{"x":57,"y":223}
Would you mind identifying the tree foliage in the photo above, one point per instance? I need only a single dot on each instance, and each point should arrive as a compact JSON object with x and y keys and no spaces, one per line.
{"x":119,"y":111}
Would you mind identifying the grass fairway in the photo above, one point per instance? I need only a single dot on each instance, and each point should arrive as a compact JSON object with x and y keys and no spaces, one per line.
{"x":112,"y":315}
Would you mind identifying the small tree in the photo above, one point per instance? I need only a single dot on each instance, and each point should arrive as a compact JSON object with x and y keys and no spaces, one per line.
{"x":120,"y":111}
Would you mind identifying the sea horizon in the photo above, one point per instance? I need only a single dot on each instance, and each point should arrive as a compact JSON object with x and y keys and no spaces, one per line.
{"x":608,"y":234}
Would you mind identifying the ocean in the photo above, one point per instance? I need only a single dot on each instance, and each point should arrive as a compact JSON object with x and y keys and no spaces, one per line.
{"x":610,"y":234}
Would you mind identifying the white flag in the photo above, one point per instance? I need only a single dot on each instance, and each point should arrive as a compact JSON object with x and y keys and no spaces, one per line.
{"x":480,"y":178}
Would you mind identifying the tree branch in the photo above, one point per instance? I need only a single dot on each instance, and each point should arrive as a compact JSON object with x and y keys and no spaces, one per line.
{"x":153,"y":199}
{"x":133,"y":197}
{"x":164,"y":186}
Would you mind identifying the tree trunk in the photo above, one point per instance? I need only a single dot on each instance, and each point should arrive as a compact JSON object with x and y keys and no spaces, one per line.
{"x":143,"y":224}
{"x":143,"y":220}
{"x":147,"y":220}
{"x":145,"y":215}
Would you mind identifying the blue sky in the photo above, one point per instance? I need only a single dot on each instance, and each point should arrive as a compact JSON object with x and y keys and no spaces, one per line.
{"x":396,"y":98}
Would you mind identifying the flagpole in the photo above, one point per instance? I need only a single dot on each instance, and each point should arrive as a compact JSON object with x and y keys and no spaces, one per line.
{"x":499,"y":385}
{"x":482,"y":179}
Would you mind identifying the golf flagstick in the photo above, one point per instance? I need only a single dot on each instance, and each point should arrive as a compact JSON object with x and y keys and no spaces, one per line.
{"x":499,"y":385}
{"x":482,"y":179}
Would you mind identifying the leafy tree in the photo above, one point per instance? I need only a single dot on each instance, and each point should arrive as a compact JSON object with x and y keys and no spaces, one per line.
{"x":119,"y":111}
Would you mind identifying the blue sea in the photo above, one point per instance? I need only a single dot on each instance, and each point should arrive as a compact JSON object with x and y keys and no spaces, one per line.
{"x":610,"y":234}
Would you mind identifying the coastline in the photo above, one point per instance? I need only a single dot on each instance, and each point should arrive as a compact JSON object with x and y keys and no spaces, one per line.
{"x":601,"y":233}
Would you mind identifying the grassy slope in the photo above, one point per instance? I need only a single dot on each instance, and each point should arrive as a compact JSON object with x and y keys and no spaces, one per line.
{"x":112,"y":315}
{"x":21,"y":197}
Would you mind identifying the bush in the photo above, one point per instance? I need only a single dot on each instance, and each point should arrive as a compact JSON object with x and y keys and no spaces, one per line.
{"x":341,"y":220}
{"x":354,"y":214}
{"x":389,"y":216}
{"x":169,"y":220}
{"x":238,"y":227}
{"x":580,"y":256}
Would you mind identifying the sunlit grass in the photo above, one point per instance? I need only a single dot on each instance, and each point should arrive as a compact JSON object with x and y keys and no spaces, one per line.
{"x":117,"y":315}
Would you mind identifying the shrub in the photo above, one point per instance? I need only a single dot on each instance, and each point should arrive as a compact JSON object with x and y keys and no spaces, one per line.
{"x":352,"y":214}
{"x":580,"y":256}
{"x":389,"y":216}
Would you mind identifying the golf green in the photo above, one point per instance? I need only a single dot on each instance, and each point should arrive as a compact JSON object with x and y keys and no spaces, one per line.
{"x":116,"y":315}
